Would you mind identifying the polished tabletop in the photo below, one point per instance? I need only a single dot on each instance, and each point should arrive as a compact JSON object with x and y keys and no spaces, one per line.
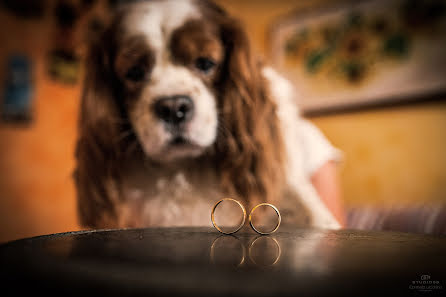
{"x":201,"y":261}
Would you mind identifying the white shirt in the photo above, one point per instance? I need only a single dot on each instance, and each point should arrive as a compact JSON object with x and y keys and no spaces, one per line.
{"x":316,"y":148}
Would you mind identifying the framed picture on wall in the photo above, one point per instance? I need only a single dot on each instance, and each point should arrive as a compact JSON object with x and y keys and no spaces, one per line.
{"x":16,"y":104}
{"x":363,"y":53}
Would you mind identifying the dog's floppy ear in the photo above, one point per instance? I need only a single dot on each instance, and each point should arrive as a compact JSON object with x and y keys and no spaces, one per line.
{"x":250,"y":146}
{"x":97,"y":151}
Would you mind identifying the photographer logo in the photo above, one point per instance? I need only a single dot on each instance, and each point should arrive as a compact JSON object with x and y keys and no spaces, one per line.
{"x":425,"y":284}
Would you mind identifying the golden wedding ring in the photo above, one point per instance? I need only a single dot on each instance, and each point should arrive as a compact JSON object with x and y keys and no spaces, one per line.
{"x":213,"y":219}
{"x":278,"y":221}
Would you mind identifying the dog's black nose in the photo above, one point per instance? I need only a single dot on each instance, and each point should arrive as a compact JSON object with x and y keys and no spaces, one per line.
{"x":174,"y":109}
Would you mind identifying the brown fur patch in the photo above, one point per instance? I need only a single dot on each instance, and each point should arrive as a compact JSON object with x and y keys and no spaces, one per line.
{"x":249,"y":149}
{"x":134,"y":52}
{"x":195,"y":39}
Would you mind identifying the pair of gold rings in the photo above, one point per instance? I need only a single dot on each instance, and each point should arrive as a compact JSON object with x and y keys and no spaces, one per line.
{"x":279,"y":218}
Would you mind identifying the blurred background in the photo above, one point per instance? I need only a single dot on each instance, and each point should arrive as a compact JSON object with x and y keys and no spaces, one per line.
{"x":372,"y":80}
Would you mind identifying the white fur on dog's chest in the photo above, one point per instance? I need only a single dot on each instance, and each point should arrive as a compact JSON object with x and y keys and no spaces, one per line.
{"x":174,"y":200}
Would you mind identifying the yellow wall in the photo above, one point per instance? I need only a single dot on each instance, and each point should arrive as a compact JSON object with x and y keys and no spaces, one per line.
{"x":391,"y":155}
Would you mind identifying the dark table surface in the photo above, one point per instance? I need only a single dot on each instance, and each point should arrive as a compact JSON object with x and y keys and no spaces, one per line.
{"x":201,"y":261}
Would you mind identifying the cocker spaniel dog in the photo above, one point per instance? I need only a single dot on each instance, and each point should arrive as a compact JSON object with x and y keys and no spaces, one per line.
{"x":177,"y":112}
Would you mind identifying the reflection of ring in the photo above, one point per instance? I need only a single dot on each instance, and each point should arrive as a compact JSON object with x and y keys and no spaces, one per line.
{"x":278,"y":215}
{"x":213,"y":219}
{"x":279,"y":251}
{"x":212,"y":252}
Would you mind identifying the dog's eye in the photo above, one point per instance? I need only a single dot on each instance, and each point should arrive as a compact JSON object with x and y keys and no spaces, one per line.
{"x":204,"y":64}
{"x":136,"y":73}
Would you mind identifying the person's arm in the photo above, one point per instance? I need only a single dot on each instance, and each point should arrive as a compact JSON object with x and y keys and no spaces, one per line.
{"x":326,"y":182}
{"x":320,"y":162}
